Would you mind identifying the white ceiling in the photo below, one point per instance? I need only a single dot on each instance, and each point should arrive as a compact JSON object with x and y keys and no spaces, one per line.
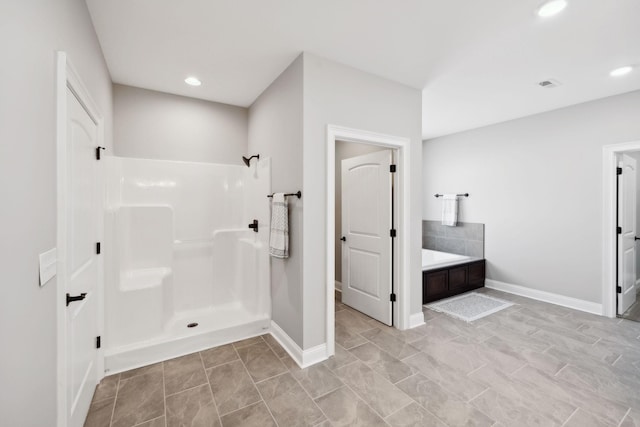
{"x":477,"y":62}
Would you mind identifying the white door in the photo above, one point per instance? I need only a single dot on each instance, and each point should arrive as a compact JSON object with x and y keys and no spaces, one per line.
{"x":627,"y":239}
{"x":366,"y":225}
{"x":80,"y":263}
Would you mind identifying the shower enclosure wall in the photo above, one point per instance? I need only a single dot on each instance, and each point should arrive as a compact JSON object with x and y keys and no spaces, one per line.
{"x":184,"y":270}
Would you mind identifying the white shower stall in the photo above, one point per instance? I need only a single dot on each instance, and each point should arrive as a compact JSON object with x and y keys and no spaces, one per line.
{"x":184,"y":271}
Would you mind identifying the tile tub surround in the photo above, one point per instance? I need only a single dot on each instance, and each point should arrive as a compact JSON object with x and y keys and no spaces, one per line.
{"x":467,"y":238}
{"x":531,"y":364}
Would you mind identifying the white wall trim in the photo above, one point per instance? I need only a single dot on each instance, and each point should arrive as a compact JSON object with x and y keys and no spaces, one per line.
{"x":569,"y":302}
{"x":609,"y":237}
{"x":304,"y":358}
{"x":67,"y":77}
{"x":338,"y":285}
{"x":416,"y":319}
{"x":403,"y":288}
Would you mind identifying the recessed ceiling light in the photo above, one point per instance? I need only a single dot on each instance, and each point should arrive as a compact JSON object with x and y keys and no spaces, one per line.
{"x":621,"y":71}
{"x":192,"y":81}
{"x":551,"y":8}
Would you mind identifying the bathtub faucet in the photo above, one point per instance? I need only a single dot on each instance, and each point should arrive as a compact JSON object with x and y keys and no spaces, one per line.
{"x":254,"y":225}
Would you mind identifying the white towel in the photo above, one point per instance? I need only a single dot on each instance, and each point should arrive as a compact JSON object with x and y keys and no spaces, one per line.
{"x":450,"y":210}
{"x":279,"y":239}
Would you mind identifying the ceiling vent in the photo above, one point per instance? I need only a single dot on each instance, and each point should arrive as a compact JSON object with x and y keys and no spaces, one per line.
{"x":550,"y":83}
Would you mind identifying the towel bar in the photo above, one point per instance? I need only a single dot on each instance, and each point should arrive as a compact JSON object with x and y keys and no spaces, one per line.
{"x":297,"y":194}
{"x":459,"y":195}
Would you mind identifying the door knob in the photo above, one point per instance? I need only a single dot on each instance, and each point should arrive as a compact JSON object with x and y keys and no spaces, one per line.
{"x":344,"y":239}
{"x":71,"y":299}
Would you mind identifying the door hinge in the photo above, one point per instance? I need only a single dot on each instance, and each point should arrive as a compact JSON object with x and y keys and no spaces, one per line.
{"x":392,"y":232}
{"x":392,"y":168}
{"x":392,"y":297}
{"x":619,"y":230}
{"x":619,"y":289}
{"x":618,"y":171}
{"x":98,"y":248}
{"x":98,"y":342}
{"x":98,"y":152}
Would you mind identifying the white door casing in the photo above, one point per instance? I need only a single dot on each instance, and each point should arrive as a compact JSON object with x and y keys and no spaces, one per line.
{"x":366,"y":224}
{"x":626,"y":239}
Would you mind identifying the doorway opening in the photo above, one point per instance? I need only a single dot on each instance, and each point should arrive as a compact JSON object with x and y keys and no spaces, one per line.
{"x":400,"y":146}
{"x":621,"y":266}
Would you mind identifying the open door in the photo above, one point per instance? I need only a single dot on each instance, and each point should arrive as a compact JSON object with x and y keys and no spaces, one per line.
{"x":626,"y":233}
{"x":367,"y":251}
{"x":80,"y":260}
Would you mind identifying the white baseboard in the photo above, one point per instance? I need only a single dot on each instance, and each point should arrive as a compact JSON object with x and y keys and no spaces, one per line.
{"x":416,"y":320}
{"x":577,"y":304}
{"x":304,"y":358}
{"x":338,"y":286}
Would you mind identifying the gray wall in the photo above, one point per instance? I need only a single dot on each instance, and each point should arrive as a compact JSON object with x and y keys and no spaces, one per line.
{"x":345,"y":150}
{"x":30,"y":33}
{"x":156,"y":125}
{"x":536,"y":184}
{"x":340,"y":95}
{"x":275,"y":130}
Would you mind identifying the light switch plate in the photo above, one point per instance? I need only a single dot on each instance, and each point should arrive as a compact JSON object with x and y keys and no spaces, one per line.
{"x":48,"y":265}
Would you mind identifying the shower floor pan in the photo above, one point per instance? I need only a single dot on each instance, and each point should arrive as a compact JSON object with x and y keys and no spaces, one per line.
{"x":215,"y":327}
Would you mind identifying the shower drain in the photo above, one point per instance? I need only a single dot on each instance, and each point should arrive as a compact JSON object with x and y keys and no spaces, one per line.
{"x":192,"y":325}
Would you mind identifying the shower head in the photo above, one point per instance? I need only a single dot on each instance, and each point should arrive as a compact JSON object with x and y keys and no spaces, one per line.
{"x":247,"y":160}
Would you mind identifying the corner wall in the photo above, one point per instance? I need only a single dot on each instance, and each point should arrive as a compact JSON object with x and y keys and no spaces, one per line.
{"x":340,"y":95}
{"x":31,"y":33}
{"x":275,"y":130}
{"x":536,"y":184}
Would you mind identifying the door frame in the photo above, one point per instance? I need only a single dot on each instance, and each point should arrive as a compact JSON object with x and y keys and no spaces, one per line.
{"x":609,"y":217}
{"x":402,"y":193}
{"x":68,"y":77}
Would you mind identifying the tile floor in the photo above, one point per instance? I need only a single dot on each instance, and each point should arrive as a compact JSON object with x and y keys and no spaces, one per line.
{"x":633,"y":313}
{"x":531,"y":364}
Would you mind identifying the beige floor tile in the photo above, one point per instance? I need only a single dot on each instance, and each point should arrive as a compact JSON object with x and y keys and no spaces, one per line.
{"x":382,"y":362}
{"x":218,"y":355}
{"x":316,"y":380}
{"x":340,"y":358}
{"x":275,"y":345}
{"x":156,"y":367}
{"x":100,"y":413}
{"x":140,"y":398}
{"x":375,"y":390}
{"x":232,"y":387}
{"x":632,"y":419}
{"x":107,"y":388}
{"x":156,"y":422}
{"x":256,"y":415}
{"x":524,"y":394}
{"x":261,"y":361}
{"x":248,"y":341}
{"x":193,"y":407}
{"x":509,"y":412}
{"x":414,"y":416}
{"x":582,"y":418}
{"x":443,"y":403}
{"x":288,"y":402}
{"x":392,"y":345}
{"x":445,"y":376}
{"x":183,"y":372}
{"x":344,"y":408}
